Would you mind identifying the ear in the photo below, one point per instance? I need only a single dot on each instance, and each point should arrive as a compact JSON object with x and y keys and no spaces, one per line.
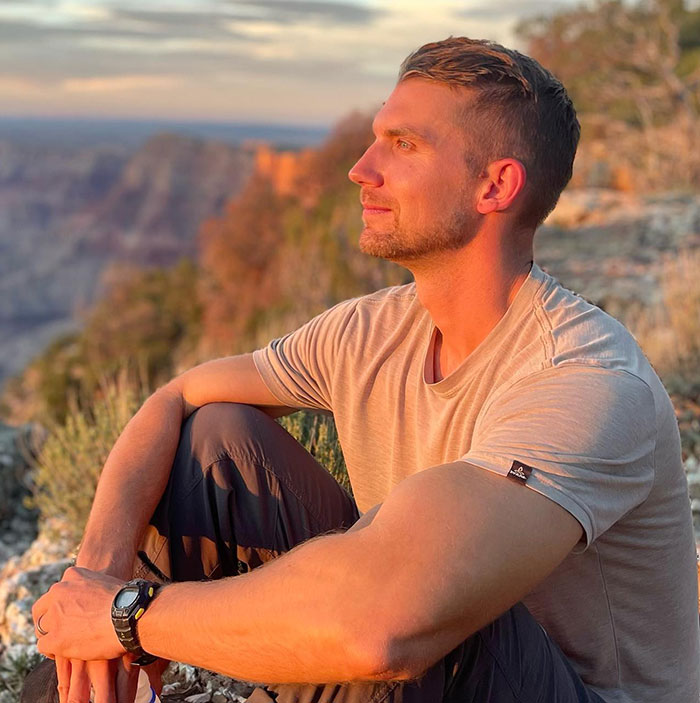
{"x":504,"y":180}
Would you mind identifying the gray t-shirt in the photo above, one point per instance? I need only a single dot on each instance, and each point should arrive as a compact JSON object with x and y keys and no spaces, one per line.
{"x":563,"y":388}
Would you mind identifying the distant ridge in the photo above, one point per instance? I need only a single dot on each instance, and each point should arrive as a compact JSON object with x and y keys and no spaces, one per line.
{"x":68,"y":214}
{"x":83,"y":132}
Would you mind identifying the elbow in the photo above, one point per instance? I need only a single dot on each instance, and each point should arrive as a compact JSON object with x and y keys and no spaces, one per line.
{"x":378,"y":664}
{"x":172,"y":394}
{"x":384,"y":658}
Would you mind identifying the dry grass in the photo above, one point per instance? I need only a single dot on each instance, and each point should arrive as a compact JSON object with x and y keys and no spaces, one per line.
{"x":669,"y":333}
{"x":71,"y":459}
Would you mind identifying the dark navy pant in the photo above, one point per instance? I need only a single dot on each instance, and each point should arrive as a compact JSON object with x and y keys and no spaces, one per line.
{"x":242,"y":491}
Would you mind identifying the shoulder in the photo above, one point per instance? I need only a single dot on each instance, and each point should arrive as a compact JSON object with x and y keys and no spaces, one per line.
{"x":386,"y":299}
{"x":382,"y":307}
{"x":575,"y":331}
{"x":356,"y":318}
{"x":583,"y":344}
{"x":397,"y":297}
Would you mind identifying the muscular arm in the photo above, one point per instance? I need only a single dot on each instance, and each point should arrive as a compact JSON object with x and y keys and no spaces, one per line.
{"x":450,"y":549}
{"x":137,"y":470}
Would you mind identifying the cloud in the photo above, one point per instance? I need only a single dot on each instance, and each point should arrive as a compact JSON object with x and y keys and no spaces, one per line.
{"x":514,"y":8}
{"x":120,"y":84}
{"x":225,"y":57}
{"x":18,"y":85}
{"x":182,"y":23}
{"x":292,"y":11}
{"x":22,"y":31}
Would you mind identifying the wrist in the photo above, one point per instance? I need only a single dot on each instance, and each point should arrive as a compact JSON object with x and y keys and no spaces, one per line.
{"x":117,"y":564}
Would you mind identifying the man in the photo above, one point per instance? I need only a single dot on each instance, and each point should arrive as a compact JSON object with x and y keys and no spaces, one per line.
{"x":507,"y":442}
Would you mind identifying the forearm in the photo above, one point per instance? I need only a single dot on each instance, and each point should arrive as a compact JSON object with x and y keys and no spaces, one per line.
{"x":131,"y":484}
{"x":308,"y":616}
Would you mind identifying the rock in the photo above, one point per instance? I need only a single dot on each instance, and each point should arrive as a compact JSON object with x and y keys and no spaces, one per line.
{"x":182,"y":682}
{"x":17,"y":596}
{"x":18,"y":524}
{"x":199,"y":698}
{"x":612,"y":248}
{"x":14,"y":467}
{"x":24,"y":578}
{"x":694,"y":488}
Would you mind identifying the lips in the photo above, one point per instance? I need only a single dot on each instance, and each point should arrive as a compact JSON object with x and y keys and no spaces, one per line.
{"x":369,"y":206}
{"x":374,"y":210}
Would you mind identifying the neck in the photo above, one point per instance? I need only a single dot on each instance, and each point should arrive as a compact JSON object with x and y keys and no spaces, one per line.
{"x":466,"y":293}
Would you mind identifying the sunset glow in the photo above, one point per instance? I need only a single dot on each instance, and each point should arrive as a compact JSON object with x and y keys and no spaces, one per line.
{"x":295,"y":61}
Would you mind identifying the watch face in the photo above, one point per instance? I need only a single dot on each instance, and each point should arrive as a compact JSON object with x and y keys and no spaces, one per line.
{"x":126,"y":598}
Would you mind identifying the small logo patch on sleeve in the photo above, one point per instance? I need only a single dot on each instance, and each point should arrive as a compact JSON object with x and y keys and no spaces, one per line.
{"x":520,"y":472}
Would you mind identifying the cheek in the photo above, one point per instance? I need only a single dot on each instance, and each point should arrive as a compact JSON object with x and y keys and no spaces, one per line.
{"x":443,"y":195}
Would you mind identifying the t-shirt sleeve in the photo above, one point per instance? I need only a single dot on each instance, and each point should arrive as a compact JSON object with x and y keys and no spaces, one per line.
{"x":587,"y":433}
{"x":298,"y":368}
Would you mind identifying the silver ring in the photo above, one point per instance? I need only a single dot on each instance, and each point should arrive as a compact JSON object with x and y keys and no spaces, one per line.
{"x":38,"y":626}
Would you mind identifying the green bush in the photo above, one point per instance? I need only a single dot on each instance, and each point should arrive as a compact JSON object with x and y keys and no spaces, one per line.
{"x":72,"y":456}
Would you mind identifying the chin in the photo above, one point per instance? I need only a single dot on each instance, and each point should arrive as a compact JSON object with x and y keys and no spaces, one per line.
{"x":377,"y":245}
{"x":387,"y":245}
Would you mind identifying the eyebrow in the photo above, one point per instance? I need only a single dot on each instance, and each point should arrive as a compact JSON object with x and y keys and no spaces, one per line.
{"x":408,"y":132}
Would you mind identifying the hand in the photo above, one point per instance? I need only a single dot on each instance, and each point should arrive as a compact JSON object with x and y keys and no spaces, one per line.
{"x":113,"y":681}
{"x":75,"y":615}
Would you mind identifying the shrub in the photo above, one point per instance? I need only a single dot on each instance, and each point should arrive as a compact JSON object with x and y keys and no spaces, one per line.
{"x":669,"y":332}
{"x":71,"y":458}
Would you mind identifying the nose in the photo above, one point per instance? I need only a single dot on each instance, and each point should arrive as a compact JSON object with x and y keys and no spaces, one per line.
{"x":366,"y":171}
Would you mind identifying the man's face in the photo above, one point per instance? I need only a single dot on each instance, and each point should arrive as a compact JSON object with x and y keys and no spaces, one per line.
{"x":416,"y":190}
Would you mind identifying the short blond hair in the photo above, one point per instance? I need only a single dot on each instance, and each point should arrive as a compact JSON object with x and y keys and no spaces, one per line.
{"x":519,"y":109}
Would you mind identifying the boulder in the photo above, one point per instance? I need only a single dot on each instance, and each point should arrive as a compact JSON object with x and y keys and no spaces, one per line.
{"x":24,"y":578}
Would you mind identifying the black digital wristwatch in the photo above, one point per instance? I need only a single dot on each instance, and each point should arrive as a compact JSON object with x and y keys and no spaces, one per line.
{"x":128,"y":606}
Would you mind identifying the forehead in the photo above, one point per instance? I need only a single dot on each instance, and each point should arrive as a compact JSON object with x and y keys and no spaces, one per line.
{"x":427,"y":105}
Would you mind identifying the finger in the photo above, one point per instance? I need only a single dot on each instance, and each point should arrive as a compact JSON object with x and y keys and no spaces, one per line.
{"x":155,"y":674}
{"x":63,"y":670}
{"x":79,"y":682}
{"x":40,"y":606}
{"x":127,"y":679}
{"x":102,"y":676}
{"x":44,"y":645}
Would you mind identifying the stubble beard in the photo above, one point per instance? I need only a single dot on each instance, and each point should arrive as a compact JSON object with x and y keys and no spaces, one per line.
{"x":401,"y":245}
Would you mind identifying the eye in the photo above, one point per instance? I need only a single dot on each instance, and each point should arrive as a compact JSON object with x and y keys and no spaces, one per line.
{"x":404,"y":145}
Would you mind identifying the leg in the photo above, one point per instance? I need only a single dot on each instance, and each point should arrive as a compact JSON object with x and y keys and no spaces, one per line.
{"x":241,"y":492}
{"x":511,"y":660}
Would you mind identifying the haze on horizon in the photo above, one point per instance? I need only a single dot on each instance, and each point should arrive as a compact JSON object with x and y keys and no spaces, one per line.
{"x":284,"y":61}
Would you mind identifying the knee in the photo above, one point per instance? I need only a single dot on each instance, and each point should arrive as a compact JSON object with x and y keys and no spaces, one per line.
{"x":220,"y":429}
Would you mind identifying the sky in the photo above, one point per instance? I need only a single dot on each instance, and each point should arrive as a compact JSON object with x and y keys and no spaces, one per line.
{"x":274,"y":61}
